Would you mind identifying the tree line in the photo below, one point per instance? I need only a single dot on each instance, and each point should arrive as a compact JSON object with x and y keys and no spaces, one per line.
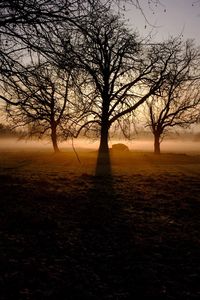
{"x":75,"y":67}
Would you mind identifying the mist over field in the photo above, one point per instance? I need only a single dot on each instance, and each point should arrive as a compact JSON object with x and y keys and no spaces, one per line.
{"x":143,"y":145}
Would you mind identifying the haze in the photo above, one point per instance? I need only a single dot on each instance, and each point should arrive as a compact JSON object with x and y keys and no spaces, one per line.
{"x":167,"y":146}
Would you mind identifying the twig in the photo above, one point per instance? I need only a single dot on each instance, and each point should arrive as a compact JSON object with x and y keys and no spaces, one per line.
{"x":75,"y":151}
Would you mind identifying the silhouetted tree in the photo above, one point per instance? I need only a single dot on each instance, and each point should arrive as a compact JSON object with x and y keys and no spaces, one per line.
{"x":43,"y":96}
{"x":122,"y":71}
{"x":177,"y":102}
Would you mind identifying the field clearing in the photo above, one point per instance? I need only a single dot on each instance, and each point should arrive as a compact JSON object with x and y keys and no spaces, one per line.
{"x":68,"y":234}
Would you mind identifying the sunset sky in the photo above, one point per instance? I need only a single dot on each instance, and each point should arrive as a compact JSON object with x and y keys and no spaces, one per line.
{"x":172,"y":17}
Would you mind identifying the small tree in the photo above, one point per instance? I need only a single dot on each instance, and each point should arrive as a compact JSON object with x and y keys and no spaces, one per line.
{"x":177,"y":102}
{"x":43,"y":103}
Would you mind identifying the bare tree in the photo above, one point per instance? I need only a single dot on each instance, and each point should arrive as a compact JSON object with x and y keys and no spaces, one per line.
{"x":177,"y":102}
{"x":43,"y":97}
{"x":122,"y":71}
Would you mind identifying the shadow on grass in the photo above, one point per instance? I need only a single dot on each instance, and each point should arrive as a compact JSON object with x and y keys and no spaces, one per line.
{"x":103,"y":164}
{"x":106,"y":239}
{"x":79,"y":245}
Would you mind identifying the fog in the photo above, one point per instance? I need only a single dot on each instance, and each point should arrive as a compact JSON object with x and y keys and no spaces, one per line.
{"x":169,"y":146}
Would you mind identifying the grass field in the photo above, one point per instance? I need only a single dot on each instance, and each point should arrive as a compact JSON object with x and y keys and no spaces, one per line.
{"x":68,"y":234}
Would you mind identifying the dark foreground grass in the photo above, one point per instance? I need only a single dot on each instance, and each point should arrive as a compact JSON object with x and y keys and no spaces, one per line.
{"x":68,"y":234}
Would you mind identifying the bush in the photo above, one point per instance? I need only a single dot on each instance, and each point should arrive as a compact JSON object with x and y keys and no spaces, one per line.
{"x":120,"y":147}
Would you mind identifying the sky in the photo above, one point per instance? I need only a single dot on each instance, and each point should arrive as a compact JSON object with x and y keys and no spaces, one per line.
{"x":170,"y":18}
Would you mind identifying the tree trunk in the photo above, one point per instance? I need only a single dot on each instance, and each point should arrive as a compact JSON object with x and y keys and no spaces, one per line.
{"x":157,"y":143}
{"x":103,"y":166}
{"x":54,"y":139}
{"x":103,"y":147}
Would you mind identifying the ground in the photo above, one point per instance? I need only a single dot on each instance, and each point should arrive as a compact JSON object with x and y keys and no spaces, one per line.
{"x":68,"y":234}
